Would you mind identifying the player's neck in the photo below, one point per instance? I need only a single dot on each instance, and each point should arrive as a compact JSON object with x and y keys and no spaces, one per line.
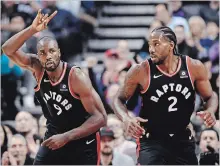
{"x":55,"y":75}
{"x":170,"y":64}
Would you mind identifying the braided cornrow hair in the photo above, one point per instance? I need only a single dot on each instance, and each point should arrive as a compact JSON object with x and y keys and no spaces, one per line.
{"x":168,"y":33}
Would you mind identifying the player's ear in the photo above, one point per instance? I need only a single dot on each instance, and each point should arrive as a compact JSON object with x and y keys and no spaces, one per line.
{"x":172,"y":45}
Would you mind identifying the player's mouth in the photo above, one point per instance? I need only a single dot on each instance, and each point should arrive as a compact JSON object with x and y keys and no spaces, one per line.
{"x":153,"y":57}
{"x":49,"y":64}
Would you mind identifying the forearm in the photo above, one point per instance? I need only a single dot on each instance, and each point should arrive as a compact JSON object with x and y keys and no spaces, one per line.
{"x":91,"y":125}
{"x":16,"y":41}
{"x":120,"y":109}
{"x":212,"y":103}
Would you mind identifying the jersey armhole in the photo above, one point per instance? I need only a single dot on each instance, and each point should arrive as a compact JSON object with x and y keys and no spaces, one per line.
{"x":145,"y":88}
{"x":69,"y":84}
{"x":39,"y":81}
{"x":189,"y":71}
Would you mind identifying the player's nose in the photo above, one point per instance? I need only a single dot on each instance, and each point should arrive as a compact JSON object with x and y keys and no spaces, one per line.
{"x":151,"y":50}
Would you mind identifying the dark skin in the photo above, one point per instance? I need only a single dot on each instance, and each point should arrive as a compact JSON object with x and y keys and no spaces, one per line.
{"x":161,"y":52}
{"x":48,"y":59}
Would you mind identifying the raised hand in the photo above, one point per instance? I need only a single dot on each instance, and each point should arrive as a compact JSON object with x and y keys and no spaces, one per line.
{"x":40,"y":22}
{"x":133,"y":128}
{"x":8,"y":159}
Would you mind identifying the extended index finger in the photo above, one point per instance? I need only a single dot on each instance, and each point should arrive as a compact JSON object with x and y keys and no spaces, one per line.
{"x":45,"y":143}
{"x":52,"y":15}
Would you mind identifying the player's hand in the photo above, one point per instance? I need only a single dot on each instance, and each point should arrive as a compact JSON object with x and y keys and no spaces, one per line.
{"x":40,"y":22}
{"x":56,"y":141}
{"x":8,"y":159}
{"x":133,"y":128}
{"x":208,"y":118}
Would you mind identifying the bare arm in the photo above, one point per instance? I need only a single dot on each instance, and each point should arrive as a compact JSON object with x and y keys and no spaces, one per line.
{"x":126,"y":91}
{"x":12,"y":49}
{"x":12,"y":46}
{"x":92,"y":103}
{"x":203,"y":86}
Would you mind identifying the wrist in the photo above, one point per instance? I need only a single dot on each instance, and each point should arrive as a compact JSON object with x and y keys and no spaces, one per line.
{"x":32,"y":30}
{"x":210,"y":110}
{"x":67,"y":137}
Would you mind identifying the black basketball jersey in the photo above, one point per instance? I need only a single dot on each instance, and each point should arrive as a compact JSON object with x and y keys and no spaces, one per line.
{"x":169,"y":100}
{"x":61,"y":107}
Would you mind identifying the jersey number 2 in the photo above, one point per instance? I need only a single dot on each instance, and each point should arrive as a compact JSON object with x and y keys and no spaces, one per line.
{"x":171,"y":107}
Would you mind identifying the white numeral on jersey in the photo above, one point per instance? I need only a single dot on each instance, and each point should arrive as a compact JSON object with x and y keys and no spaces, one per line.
{"x":58,"y":108}
{"x":170,"y":109}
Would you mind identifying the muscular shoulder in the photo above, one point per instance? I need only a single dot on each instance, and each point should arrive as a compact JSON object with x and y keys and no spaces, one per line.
{"x":79,"y":75}
{"x":197,"y":69}
{"x":79,"y":80}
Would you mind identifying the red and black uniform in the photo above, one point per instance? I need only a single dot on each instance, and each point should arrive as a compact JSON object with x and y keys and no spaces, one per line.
{"x":168,"y":103}
{"x":64,"y":111}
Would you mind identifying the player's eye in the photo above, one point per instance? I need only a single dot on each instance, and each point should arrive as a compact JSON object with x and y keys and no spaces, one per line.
{"x":41,"y":53}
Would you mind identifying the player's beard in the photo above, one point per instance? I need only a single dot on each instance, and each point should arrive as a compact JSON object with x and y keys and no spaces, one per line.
{"x":159,"y":62}
{"x":51,"y":69}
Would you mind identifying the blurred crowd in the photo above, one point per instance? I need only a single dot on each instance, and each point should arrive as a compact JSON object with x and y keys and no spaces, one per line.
{"x":197,"y":31}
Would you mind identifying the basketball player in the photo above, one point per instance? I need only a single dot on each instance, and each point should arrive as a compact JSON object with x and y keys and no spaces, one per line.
{"x":73,"y":109}
{"x":167,"y":83}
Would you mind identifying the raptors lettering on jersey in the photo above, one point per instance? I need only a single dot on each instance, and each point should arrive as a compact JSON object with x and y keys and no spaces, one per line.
{"x":58,"y":98}
{"x":170,"y":88}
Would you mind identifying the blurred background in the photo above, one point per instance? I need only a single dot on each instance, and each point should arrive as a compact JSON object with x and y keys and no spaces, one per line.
{"x":104,"y":38}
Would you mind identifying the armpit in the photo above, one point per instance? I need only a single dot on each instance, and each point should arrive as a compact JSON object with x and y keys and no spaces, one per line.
{"x":34,"y":61}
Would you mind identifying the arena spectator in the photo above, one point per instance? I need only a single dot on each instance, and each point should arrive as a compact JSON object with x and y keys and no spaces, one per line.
{"x":212,"y":31}
{"x":24,"y":124}
{"x":66,"y":29}
{"x":210,"y":12}
{"x":176,"y":8}
{"x":120,"y":143}
{"x":163,"y":15}
{"x":209,"y":146}
{"x":109,"y":156}
{"x":199,"y":34}
{"x":83,"y":10}
{"x":200,"y":40}
{"x":5,"y":135}
{"x":109,"y":74}
{"x":183,"y":46}
{"x":17,"y":153}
